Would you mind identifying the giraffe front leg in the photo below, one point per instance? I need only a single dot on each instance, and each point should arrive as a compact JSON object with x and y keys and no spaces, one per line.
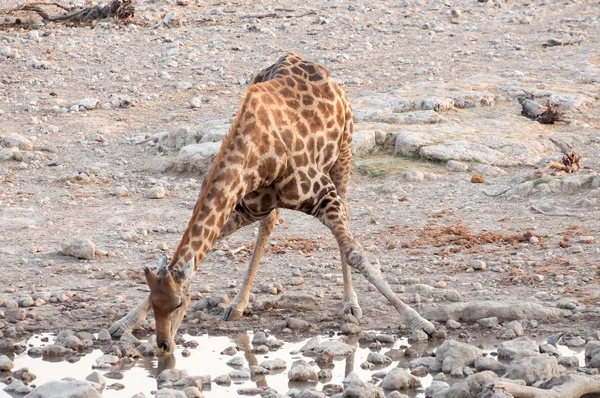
{"x":350,"y":299}
{"x":235,"y":310}
{"x":134,"y":319}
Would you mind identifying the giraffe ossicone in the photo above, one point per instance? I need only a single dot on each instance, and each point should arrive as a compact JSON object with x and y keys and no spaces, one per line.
{"x":290,"y":147}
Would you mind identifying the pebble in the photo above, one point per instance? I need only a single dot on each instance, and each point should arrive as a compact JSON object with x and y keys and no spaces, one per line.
{"x":195,"y":102}
{"x":157,"y":192}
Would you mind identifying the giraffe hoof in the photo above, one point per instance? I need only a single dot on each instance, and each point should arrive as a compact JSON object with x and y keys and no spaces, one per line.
{"x":118,"y":328}
{"x":353,"y":309}
{"x":232,"y":313}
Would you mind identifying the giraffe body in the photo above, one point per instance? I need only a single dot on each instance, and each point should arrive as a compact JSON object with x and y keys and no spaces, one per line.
{"x":289,"y":147}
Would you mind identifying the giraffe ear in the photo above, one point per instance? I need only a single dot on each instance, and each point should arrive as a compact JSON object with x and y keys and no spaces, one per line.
{"x":188,"y":270}
{"x":150,"y":277}
{"x":162,"y":264}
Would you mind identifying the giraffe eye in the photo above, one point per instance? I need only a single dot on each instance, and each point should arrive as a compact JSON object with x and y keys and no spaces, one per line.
{"x":179,"y":305}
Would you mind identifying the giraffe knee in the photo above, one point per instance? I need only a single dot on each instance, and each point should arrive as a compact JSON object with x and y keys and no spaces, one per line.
{"x":355,"y":258}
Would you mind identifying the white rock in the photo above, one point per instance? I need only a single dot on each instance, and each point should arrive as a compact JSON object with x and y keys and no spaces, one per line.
{"x":198,"y":157}
{"x":81,"y":248}
{"x":363,"y":142}
{"x":5,"y":363}
{"x":87,"y":103}
{"x":157,"y":192}
{"x":456,"y":167}
{"x":65,"y":389}
{"x":195,"y":102}
{"x":12,"y":140}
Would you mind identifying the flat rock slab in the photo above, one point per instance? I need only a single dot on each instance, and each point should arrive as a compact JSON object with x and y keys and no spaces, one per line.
{"x":471,"y":312}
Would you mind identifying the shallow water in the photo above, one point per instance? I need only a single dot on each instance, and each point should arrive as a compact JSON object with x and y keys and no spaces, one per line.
{"x":207,"y":360}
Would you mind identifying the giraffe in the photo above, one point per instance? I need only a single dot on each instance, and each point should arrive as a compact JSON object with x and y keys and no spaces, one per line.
{"x":289,"y":147}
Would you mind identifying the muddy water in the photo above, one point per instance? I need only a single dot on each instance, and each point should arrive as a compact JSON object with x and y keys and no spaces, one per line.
{"x":207,"y":360}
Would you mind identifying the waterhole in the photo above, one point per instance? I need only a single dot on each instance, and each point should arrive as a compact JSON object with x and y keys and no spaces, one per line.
{"x":206,"y":359}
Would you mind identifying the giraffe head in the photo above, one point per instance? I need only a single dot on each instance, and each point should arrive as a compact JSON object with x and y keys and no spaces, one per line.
{"x":170,"y":297}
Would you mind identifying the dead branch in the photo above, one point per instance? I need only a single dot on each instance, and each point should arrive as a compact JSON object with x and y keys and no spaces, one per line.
{"x":537,"y":210}
{"x":118,"y":9}
{"x":574,"y":386}
{"x":559,"y":42}
{"x":544,"y":115}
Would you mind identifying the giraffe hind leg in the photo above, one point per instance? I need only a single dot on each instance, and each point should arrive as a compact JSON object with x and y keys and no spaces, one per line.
{"x":331,"y":213}
{"x":236,"y":308}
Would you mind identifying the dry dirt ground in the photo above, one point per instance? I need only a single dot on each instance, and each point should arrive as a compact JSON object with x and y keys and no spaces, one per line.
{"x":432,"y":230}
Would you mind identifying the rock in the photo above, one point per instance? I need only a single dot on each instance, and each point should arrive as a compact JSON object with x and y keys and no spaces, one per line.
{"x":575,"y":342}
{"x":236,"y":362}
{"x":198,"y":157}
{"x":74,"y":343}
{"x":454,"y":356}
{"x":569,"y":362}
{"x":435,"y":387}
{"x":156,"y":192}
{"x":252,"y":391}
{"x":512,"y":329}
{"x":193,"y":392}
{"x":10,"y":154}
{"x":5,"y":363}
{"x":533,"y":368}
{"x":354,"y":387}
{"x":469,"y":387}
{"x":170,"y":375}
{"x":169,"y":393}
{"x":65,"y":389}
{"x":239,"y":374}
{"x":452,"y":324}
{"x":522,"y":346}
{"x":256,"y":370}
{"x":472,"y":311}
{"x":106,"y":361}
{"x":195,"y":102}
{"x":260,"y":338}
{"x":363,"y":142}
{"x":350,"y":328}
{"x":273,"y":364}
{"x":223,"y":380}
{"x":314,"y":346}
{"x":399,"y":379}
{"x":15,"y":315}
{"x":80,"y":248}
{"x":413,"y":176}
{"x":302,"y":371}
{"x":96,"y":377}
{"x":24,"y":375}
{"x":591,"y":348}
{"x":14,"y":140}
{"x":489,"y":363}
{"x":86,"y":103}
{"x":418,"y":336}
{"x":297,"y":324}
{"x":478,"y":265}
{"x":409,"y":143}
{"x":55,"y":351}
{"x":465,"y":151}
{"x":454,"y":166}
{"x":488,"y":322}
{"x":378,"y":359}
{"x":103,"y":335}
{"x":197,"y":381}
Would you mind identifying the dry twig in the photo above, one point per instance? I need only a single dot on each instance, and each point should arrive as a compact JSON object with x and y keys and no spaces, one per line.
{"x":118,"y":9}
{"x":573,"y":386}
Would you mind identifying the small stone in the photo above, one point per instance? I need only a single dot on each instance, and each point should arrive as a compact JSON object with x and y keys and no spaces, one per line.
{"x":515,"y":327}
{"x":121,"y":191}
{"x":302,"y":371}
{"x":15,"y":315}
{"x":417,"y":336}
{"x":455,"y":166}
{"x":157,"y":192}
{"x":477,"y":178}
{"x":452,"y":324}
{"x":478,"y":265}
{"x":297,"y":324}
{"x":80,"y":248}
{"x":399,"y":379}
{"x":223,"y":380}
{"x":569,"y":362}
{"x":195,"y":102}
{"x":5,"y":363}
{"x":413,"y":176}
{"x":488,"y":322}
{"x":104,"y":335}
{"x":575,"y":342}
